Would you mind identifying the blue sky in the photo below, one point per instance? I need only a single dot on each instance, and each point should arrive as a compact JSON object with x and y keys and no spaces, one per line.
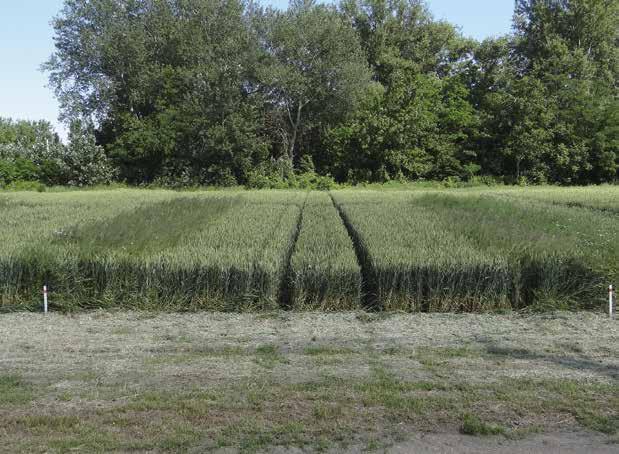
{"x":26,"y":42}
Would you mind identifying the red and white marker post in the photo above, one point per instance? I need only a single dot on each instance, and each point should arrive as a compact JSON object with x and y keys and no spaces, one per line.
{"x":45,"y":299}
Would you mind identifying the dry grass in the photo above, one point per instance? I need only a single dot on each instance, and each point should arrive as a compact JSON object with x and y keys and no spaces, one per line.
{"x":195,"y":382}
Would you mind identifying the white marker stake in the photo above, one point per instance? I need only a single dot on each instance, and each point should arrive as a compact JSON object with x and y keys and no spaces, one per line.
{"x":610,"y":301}
{"x":45,"y":299}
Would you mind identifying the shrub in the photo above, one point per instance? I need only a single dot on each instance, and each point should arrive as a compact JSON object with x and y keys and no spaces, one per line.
{"x":311,"y":180}
{"x":25,"y":185}
{"x":17,"y":169}
{"x":83,"y":162}
{"x":472,"y":425}
{"x":278,"y":174}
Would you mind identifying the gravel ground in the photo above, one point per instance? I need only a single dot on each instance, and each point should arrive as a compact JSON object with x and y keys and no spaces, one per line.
{"x":93,"y":365}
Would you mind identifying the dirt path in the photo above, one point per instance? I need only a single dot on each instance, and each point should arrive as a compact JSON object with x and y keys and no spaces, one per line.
{"x":247,"y":382}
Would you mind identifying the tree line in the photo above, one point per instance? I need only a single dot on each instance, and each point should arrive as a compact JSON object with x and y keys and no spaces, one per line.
{"x":228,"y":92}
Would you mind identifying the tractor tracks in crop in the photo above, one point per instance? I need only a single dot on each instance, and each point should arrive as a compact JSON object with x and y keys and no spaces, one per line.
{"x":369,"y":280}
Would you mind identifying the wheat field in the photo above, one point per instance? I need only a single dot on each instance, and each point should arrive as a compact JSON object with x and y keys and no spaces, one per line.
{"x":458,"y":250}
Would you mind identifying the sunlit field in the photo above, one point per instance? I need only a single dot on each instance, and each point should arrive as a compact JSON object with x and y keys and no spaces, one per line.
{"x":460,"y":250}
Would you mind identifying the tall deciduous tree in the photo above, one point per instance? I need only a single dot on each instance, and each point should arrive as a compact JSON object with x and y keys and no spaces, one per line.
{"x":417,"y":125}
{"x":314,"y":72}
{"x":168,"y":83}
{"x":571,"y":48}
{"x":209,"y":91}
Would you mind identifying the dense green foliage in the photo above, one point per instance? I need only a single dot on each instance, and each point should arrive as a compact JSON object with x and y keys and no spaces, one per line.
{"x":426,"y":250}
{"x":190,"y":92}
{"x":31,"y":151}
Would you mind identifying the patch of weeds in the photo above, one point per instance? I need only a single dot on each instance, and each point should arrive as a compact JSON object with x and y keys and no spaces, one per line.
{"x":179,"y":437}
{"x":247,"y":396}
{"x":382,"y":445}
{"x":48,"y":423}
{"x":13,"y":390}
{"x":397,"y":395}
{"x":250,"y":435}
{"x":188,"y":404}
{"x":593,"y":405}
{"x":322,"y":444}
{"x":327,"y":360}
{"x":592,"y":419}
{"x":472,"y":425}
{"x":65,"y":397}
{"x":85,"y":439}
{"x":326,"y":384}
{"x":327,"y":411}
{"x":268,"y":356}
{"x":121,"y":421}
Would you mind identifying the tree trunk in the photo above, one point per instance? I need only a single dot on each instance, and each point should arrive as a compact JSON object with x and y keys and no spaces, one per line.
{"x":295,"y":130}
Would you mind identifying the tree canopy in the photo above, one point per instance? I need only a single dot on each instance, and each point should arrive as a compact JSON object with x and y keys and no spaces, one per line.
{"x":213,"y":91}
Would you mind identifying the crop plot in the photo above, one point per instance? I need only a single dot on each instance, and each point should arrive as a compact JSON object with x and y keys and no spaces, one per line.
{"x":473,"y":251}
{"x":209,"y":250}
{"x":412,"y":261}
{"x":422,"y":250}
{"x":603,"y":198}
{"x":324,"y":270}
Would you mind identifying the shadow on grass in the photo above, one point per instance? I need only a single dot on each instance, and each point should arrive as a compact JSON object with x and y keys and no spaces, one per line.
{"x":561,"y":360}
